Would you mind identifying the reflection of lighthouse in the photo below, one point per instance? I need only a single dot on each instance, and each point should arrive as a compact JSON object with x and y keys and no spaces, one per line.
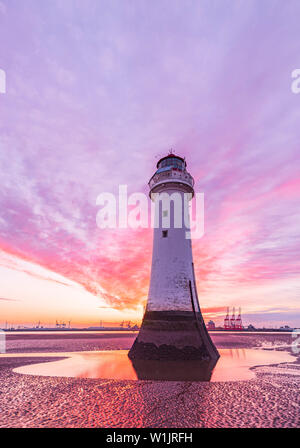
{"x":173,"y":326}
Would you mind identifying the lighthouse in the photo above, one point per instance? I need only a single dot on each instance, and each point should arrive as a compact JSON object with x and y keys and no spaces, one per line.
{"x":173,"y":327}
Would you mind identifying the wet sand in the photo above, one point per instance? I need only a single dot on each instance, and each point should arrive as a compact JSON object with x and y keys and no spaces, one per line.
{"x":271,"y":399}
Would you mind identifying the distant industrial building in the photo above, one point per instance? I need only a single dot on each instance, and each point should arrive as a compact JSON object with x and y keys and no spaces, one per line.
{"x":233,"y":323}
{"x":211,"y":325}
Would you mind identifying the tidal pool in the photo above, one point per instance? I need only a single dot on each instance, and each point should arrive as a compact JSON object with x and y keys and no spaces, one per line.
{"x":233,"y":365}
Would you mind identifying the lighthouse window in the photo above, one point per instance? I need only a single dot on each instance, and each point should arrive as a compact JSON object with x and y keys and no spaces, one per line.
{"x":165,"y":213}
{"x":164,"y":233}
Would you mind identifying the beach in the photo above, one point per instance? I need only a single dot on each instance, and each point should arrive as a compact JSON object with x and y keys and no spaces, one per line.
{"x":270,"y":399}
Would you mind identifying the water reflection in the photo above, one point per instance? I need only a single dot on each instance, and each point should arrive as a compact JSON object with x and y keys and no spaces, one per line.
{"x":174,"y":370}
{"x":233,"y":365}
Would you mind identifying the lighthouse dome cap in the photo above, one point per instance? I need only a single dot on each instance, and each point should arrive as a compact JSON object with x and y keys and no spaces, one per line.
{"x":171,"y":156}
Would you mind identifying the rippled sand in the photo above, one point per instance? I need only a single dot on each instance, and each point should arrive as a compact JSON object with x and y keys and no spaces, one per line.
{"x":269,"y":400}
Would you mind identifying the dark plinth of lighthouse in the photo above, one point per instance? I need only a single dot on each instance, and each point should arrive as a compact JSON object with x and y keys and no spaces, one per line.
{"x":173,"y":326}
{"x":173,"y":335}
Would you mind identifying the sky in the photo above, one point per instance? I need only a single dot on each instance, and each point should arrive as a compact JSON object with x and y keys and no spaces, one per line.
{"x":96,"y":92}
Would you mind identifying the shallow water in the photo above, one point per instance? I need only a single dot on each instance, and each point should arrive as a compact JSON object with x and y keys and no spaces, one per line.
{"x":233,"y":365}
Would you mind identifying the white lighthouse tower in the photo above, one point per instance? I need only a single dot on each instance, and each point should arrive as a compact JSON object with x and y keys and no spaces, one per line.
{"x":173,"y":326}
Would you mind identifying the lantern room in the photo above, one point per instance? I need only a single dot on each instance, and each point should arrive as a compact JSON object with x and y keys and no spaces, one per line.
{"x":171,"y":161}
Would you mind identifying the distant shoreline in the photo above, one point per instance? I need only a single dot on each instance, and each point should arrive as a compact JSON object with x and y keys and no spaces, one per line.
{"x":128,"y":330}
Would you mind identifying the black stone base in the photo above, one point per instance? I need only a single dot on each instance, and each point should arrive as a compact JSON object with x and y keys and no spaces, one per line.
{"x":149,"y":351}
{"x":173,"y":335}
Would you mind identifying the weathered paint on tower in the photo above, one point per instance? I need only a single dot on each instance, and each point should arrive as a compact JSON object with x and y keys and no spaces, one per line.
{"x":173,"y":326}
